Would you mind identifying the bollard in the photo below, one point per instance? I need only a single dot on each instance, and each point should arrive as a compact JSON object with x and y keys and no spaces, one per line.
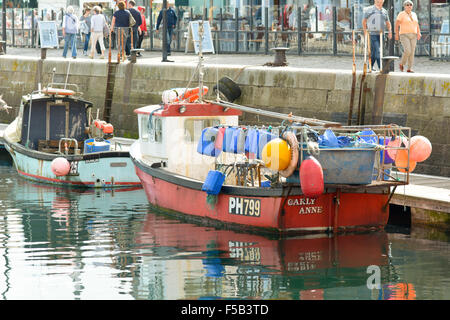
{"x":134,"y":54}
{"x":2,"y":47}
{"x":388,"y":64}
{"x":280,"y":57}
{"x":43,"y":53}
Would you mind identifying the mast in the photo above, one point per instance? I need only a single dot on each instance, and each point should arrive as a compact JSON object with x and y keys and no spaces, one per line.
{"x":200,"y":57}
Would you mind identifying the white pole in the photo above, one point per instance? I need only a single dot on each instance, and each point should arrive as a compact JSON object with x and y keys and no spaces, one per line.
{"x":381,"y":50}
{"x":365,"y":47}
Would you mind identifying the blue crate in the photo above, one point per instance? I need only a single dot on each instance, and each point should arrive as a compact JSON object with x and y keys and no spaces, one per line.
{"x":90,"y":145}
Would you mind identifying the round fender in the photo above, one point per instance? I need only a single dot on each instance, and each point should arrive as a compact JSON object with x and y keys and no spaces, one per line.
{"x":60,"y":166}
{"x":293,"y":144}
{"x":420,"y":148}
{"x":311,"y":177}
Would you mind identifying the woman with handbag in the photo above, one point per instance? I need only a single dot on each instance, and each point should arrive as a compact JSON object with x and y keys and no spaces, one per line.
{"x":121,"y":21}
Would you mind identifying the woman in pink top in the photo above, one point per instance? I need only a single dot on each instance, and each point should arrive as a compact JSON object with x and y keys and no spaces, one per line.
{"x":409,"y":33}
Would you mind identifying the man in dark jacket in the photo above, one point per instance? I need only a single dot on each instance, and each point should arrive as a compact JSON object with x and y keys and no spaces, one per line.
{"x":171,"y":23}
{"x":137,"y":17}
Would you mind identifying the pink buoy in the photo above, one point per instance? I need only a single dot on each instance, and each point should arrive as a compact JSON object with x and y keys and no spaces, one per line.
{"x":396,"y":142}
{"x":311,"y":177}
{"x":420,"y":148}
{"x":60,"y":166}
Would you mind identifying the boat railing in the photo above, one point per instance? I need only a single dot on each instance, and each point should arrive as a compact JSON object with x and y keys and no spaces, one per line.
{"x":67,"y":144}
{"x":367,"y":137}
{"x":60,"y":85}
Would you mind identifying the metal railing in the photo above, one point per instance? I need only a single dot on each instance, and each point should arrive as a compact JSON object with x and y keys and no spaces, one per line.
{"x":231,"y":33}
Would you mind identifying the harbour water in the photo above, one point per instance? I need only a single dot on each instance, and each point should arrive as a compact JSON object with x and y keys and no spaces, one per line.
{"x":58,"y":243}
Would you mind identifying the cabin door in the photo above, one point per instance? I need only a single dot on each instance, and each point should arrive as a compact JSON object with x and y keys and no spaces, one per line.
{"x":57,"y":120}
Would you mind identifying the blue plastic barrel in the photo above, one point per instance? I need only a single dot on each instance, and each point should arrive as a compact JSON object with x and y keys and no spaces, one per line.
{"x":206,"y":144}
{"x":234,"y":140}
{"x":264,"y":138}
{"x":213,"y":182}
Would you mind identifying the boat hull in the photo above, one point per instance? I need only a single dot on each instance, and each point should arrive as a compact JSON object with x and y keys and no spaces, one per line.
{"x":102,"y":169}
{"x":274,"y":210}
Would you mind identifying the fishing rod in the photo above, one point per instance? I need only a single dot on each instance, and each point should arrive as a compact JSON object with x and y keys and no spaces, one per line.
{"x":352,"y":97}
{"x":363,"y":78}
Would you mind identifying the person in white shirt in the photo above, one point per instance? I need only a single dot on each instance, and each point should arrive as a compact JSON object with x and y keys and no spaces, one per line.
{"x":97,"y":23}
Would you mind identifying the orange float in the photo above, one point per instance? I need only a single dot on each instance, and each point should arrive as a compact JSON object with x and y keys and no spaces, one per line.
{"x":401,"y":161}
{"x":191,"y":94}
{"x":108,"y":128}
{"x":420,"y":148}
{"x":58,"y":91}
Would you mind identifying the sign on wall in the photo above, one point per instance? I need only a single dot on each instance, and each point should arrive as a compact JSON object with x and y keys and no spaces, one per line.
{"x":48,"y":34}
{"x":193,"y":38}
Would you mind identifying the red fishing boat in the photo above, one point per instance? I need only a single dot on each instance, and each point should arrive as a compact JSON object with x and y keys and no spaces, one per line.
{"x":193,"y":158}
{"x":174,"y":161}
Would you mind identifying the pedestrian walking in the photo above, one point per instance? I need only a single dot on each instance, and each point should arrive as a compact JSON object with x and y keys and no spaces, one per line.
{"x":85,"y":28}
{"x":408,"y":31}
{"x":98,"y":22}
{"x":171,"y":23}
{"x":375,"y":21}
{"x":121,"y":21}
{"x":133,"y":37}
{"x":142,"y":31}
{"x":70,"y":30}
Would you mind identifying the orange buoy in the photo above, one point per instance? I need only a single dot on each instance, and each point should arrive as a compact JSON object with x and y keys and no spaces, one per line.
{"x":99,"y":123}
{"x":58,"y":91}
{"x":276,"y":154}
{"x":108,"y":128}
{"x":191,"y":94}
{"x":401,"y":161}
{"x":311,"y":177}
{"x":420,"y":148}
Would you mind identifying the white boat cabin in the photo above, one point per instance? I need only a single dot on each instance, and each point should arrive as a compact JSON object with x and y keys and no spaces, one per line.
{"x":170,"y":133}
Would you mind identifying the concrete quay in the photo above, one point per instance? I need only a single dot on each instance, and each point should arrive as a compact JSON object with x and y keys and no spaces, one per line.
{"x":423,"y":65}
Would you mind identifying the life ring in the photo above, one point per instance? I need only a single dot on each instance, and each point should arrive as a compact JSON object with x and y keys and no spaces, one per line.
{"x":191,"y":94}
{"x":291,"y":139}
{"x":58,"y":91}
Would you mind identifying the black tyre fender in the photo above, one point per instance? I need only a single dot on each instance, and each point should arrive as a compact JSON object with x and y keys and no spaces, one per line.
{"x":228,"y":89}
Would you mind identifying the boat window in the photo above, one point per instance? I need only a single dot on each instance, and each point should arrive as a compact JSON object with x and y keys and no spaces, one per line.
{"x":144,"y":127}
{"x":158,"y":129}
{"x":154,"y":129}
{"x":193,"y":128}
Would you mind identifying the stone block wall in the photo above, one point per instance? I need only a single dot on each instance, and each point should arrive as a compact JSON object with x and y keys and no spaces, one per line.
{"x":421,"y":102}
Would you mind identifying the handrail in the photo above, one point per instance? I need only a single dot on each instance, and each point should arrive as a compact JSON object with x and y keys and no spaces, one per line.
{"x":66,"y":148}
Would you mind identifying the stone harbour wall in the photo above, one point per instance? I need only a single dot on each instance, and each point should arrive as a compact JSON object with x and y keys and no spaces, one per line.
{"x":419,"y":101}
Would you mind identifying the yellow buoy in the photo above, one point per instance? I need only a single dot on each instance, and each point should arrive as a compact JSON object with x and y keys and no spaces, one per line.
{"x":276,"y":154}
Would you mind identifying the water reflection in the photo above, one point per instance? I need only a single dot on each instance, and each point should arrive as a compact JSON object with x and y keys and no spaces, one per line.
{"x":58,"y":243}
{"x":231,"y":264}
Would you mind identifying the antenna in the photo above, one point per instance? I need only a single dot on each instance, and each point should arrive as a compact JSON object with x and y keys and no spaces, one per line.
{"x":53,"y":74}
{"x":200,"y":54}
{"x":67,"y":75}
